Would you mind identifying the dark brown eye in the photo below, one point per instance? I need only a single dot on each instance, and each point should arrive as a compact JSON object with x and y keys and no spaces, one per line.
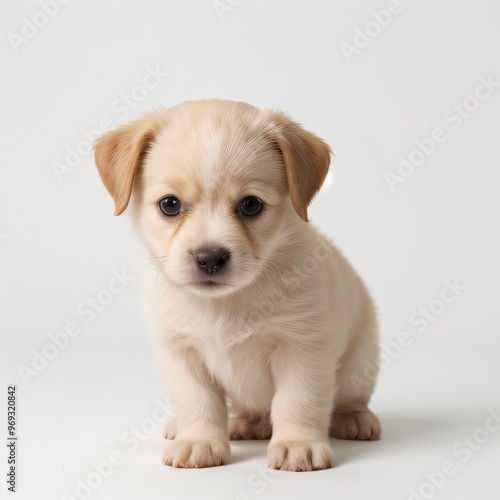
{"x":170,"y":205}
{"x":250,"y":206}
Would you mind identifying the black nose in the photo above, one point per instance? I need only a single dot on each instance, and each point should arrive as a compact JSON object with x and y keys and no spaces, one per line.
{"x":211,"y":260}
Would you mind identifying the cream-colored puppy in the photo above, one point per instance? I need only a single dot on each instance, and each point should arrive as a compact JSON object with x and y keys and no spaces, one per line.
{"x":260,"y":327}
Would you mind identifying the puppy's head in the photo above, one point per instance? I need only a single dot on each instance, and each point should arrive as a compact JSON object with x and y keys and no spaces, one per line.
{"x":216,"y":187}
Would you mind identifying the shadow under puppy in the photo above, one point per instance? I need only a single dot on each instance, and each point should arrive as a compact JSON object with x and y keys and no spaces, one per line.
{"x":260,"y":327}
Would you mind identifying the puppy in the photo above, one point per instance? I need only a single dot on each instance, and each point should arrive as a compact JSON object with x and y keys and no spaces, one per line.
{"x":260,"y":327}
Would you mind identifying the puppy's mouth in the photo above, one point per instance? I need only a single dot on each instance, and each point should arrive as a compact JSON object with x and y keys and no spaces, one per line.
{"x":211,"y":287}
{"x":209,"y":283}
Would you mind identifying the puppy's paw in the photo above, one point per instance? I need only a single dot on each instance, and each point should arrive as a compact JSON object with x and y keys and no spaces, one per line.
{"x":170,"y":429}
{"x":247,"y":428}
{"x":298,"y":456}
{"x":362,"y":425}
{"x":201,"y":453}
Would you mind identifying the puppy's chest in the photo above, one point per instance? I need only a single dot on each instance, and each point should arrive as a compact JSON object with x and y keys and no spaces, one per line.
{"x":223,"y":326}
{"x":243,"y":371}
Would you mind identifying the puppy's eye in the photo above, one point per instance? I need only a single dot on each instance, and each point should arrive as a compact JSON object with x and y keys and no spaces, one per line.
{"x":250,"y":206}
{"x":170,"y":205}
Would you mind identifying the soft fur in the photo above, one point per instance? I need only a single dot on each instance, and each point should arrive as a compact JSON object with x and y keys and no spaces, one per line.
{"x":277,"y":347}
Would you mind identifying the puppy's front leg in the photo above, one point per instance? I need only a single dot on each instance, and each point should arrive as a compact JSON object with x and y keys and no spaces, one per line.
{"x":301,"y":409}
{"x":201,"y":438}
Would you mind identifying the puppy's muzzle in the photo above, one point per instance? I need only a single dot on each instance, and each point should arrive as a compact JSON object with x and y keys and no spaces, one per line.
{"x":211,"y":260}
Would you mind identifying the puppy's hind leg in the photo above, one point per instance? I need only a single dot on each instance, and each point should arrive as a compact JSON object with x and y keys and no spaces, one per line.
{"x":351,"y":418}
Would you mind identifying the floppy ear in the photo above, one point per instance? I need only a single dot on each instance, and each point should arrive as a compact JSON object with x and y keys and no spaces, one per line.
{"x":307,"y":159}
{"x":119,"y":153}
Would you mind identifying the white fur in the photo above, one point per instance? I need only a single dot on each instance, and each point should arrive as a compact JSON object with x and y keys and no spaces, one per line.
{"x":281,"y":346}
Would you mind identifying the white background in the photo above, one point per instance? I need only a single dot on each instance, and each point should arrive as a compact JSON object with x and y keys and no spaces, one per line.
{"x":59,"y":241}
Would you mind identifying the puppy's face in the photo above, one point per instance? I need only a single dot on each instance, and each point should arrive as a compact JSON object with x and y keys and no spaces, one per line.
{"x":214,"y":185}
{"x":210,"y":199}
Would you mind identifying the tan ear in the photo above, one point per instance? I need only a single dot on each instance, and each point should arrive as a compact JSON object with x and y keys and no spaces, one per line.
{"x":119,"y":153}
{"x":307,"y":159}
